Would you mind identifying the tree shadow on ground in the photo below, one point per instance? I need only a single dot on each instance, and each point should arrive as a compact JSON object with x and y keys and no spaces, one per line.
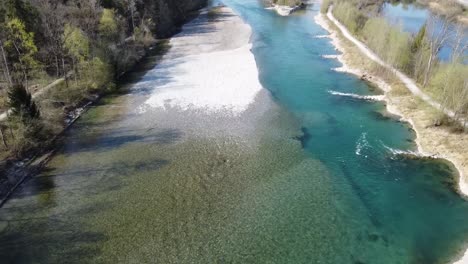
{"x":51,"y":239}
{"x":85,"y":181}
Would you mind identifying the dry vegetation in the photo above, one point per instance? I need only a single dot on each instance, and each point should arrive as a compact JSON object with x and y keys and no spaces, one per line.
{"x":417,"y":55}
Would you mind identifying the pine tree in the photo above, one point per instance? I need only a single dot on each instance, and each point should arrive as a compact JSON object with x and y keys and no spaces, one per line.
{"x":21,"y":103}
{"x":418,"y":41}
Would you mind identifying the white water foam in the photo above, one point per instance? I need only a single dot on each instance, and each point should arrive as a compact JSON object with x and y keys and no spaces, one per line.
{"x":399,"y":152}
{"x":330,"y":56}
{"x":361,"y":144}
{"x":322,"y":36}
{"x":357,"y":96}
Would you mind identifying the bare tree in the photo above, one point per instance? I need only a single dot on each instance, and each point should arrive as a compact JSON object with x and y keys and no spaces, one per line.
{"x":2,"y":135}
{"x":131,"y":6}
{"x":439,"y":33}
{"x":459,"y":43}
{"x":5,"y":64}
{"x":84,"y":14}
{"x":53,"y":19}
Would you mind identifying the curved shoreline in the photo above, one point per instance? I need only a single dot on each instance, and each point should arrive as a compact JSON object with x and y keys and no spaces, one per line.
{"x":395,"y":105}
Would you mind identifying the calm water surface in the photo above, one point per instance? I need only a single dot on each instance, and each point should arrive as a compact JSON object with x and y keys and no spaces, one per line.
{"x":301,"y":177}
{"x":413,"y":16}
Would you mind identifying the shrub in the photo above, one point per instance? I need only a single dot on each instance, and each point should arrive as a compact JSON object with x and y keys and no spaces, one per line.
{"x":25,"y":135}
{"x":95,"y":74}
{"x":450,"y":86}
{"x":21,"y":103}
{"x":349,"y":15}
{"x":390,"y":42}
{"x":144,"y":36}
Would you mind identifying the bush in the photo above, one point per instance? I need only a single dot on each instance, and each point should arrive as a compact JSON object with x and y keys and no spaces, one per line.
{"x":144,"y":36}
{"x":450,"y":86}
{"x":349,"y":15}
{"x":390,"y":42}
{"x":95,"y":74}
{"x":443,"y":120}
{"x":25,"y":135}
{"x":21,"y":103}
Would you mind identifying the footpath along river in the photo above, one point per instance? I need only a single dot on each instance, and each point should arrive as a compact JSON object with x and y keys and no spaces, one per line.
{"x":205,"y":159}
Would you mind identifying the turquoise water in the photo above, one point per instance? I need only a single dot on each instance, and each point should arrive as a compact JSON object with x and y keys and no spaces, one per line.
{"x":408,"y":201}
{"x":413,"y":16}
{"x":314,"y":182}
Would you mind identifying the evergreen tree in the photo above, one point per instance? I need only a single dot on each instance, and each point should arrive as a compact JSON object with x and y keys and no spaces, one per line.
{"x":21,"y":103}
{"x":418,"y":41}
{"x":24,"y":11}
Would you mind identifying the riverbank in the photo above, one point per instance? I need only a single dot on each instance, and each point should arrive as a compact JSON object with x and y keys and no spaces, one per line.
{"x":432,"y":141}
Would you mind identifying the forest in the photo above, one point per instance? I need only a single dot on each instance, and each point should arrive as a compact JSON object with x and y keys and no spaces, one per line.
{"x":55,"y":56}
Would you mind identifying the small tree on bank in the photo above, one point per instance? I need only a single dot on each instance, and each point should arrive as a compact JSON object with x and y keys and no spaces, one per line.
{"x":22,"y":104}
{"x":24,"y":123}
{"x":76,"y":44}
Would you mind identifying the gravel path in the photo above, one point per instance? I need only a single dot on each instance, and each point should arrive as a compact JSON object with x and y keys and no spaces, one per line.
{"x":409,"y":83}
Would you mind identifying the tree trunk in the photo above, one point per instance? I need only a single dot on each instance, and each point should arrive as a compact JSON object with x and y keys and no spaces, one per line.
{"x":428,"y":69}
{"x":131,"y":7}
{"x":57,"y":67}
{"x":75,"y":71}
{"x":8,"y":76}
{"x":133,"y":23}
{"x":25,"y":73}
{"x":11,"y":132}
{"x":64,"y":72}
{"x":3,"y":138}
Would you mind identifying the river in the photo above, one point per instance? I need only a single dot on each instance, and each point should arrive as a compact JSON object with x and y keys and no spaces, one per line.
{"x":301,"y":176}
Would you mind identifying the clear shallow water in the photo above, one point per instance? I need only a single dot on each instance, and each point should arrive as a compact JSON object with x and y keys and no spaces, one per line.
{"x":304,"y":178}
{"x":412,"y":17}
